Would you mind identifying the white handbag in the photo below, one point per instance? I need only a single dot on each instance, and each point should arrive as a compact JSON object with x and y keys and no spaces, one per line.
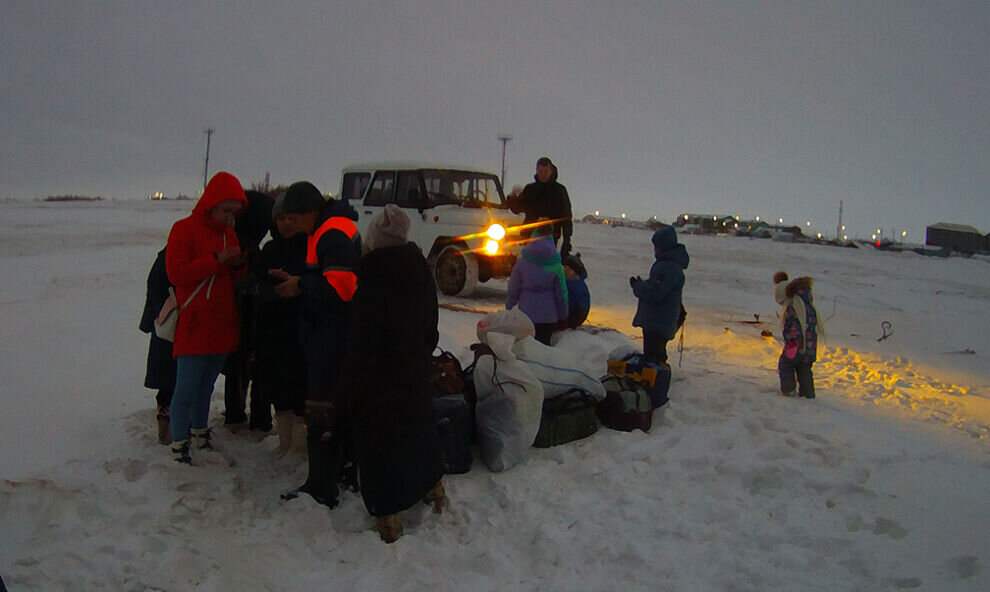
{"x":168,"y":317}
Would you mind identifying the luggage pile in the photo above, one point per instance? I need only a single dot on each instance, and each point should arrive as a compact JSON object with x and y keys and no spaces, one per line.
{"x":519,"y":393}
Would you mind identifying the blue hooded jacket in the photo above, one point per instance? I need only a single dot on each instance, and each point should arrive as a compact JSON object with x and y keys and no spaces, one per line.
{"x":660,"y":294}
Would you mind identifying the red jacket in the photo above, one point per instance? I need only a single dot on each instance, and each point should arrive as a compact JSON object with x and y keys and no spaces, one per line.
{"x":209,"y":325}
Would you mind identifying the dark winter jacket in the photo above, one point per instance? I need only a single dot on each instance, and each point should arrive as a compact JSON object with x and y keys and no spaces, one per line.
{"x":660,"y":294}
{"x":800,"y":338}
{"x":578,"y":300}
{"x":327,"y":289}
{"x":160,"y":371}
{"x":210,"y":324}
{"x":280,"y":362}
{"x":537,"y":283}
{"x":547,"y":200}
{"x":393,"y":335}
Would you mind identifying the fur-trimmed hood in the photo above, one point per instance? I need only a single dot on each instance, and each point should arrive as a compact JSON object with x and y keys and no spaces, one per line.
{"x":782,"y":290}
{"x":796,"y":285}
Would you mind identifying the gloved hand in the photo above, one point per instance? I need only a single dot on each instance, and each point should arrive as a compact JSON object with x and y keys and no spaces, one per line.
{"x":790,"y":351}
{"x":633,"y":280}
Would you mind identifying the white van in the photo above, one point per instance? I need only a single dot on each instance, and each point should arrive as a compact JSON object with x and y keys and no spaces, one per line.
{"x":458,"y":217}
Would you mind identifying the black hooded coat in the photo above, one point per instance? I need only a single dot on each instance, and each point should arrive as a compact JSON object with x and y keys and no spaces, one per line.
{"x":393,"y":335}
{"x":160,"y":371}
{"x":548,"y":200}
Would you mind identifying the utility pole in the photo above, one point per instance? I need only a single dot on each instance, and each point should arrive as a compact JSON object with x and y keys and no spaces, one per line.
{"x":206,"y":166}
{"x":838,"y":228}
{"x":504,"y":138}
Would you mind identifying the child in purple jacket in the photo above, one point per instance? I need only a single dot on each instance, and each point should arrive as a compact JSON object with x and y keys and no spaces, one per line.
{"x":538,"y":286}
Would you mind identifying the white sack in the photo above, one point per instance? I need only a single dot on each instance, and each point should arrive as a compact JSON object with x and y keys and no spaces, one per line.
{"x":511,"y":322}
{"x":510,"y":402}
{"x":557,"y":369}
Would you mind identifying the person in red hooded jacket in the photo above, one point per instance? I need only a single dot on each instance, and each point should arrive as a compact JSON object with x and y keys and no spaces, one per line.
{"x":202,"y":259}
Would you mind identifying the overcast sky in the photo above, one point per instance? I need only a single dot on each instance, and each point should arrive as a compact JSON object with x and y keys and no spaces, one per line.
{"x":777,"y":109}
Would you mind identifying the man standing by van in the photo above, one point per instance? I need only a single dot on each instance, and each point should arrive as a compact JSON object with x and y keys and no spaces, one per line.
{"x":548,"y":199}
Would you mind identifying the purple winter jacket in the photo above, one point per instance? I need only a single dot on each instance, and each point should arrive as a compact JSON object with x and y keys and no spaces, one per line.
{"x":535,"y":288}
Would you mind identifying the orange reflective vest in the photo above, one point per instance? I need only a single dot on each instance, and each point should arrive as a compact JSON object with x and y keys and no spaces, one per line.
{"x":342,"y":279}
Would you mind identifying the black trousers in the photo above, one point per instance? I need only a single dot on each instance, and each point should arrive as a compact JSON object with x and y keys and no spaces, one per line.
{"x":654,"y":346}
{"x":795,"y":374}
{"x":544,"y":331}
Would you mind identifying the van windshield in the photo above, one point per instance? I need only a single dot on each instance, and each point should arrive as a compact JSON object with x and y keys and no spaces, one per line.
{"x":462,"y":187}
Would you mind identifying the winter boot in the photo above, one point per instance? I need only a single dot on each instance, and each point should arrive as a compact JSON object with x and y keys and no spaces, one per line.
{"x":164,"y":431}
{"x":389,"y":527}
{"x":299,"y":447}
{"x":285,"y":423}
{"x":201,"y":438}
{"x":436,"y":496}
{"x":180,"y":452}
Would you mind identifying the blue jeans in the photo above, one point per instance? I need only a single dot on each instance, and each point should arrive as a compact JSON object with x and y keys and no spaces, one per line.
{"x":194,"y":379}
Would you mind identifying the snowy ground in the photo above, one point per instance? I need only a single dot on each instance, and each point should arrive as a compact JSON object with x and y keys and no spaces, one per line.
{"x":879,"y":484}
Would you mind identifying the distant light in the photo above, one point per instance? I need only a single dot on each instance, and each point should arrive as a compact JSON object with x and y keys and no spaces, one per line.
{"x":737,"y":225}
{"x":819,"y":235}
{"x":491,"y":247}
{"x":879,"y":231}
{"x":757,"y":218}
{"x":596,"y":213}
{"x":844,"y":237}
{"x":623,"y":215}
{"x":843,"y":227}
{"x":685,"y":216}
{"x":654,"y":217}
{"x":780,"y":220}
{"x":714,"y":217}
{"x":808,"y":223}
{"x":903,"y":233}
{"x":873,"y":236}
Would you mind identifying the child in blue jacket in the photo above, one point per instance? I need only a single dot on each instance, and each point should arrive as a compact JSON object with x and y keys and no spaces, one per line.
{"x":578,"y":295}
{"x":660,"y":294}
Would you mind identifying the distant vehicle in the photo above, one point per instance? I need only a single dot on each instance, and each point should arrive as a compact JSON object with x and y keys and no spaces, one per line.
{"x":458,"y":217}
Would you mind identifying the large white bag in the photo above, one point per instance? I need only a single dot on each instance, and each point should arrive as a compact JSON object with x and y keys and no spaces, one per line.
{"x":511,"y":322}
{"x":556,"y":369}
{"x":510,"y":402}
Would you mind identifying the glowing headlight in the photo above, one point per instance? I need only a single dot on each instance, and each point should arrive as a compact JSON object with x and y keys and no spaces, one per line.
{"x":495,"y":232}
{"x":491,"y":246}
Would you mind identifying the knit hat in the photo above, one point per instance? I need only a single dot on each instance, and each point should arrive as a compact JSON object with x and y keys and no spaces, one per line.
{"x":388,"y":228}
{"x":301,"y":197}
{"x":544,"y":161}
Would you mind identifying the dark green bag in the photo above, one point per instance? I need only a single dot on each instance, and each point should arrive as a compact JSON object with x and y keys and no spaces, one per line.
{"x":567,"y":417}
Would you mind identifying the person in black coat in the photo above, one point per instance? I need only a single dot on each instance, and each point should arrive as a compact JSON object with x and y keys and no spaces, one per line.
{"x":280,"y":362}
{"x":393,"y":335}
{"x":160,"y":371}
{"x":547,"y":199}
{"x":251,"y":226}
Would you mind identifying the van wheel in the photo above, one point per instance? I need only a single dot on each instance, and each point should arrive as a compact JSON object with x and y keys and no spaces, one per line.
{"x":455,"y":271}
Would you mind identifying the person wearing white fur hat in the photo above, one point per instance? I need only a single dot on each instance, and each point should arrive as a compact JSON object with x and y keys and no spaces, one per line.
{"x":800,"y":329}
{"x":393,"y":335}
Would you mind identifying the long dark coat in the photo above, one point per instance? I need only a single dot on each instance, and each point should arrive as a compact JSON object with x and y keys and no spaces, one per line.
{"x":280,"y":360}
{"x":160,"y":372}
{"x":393,"y":335}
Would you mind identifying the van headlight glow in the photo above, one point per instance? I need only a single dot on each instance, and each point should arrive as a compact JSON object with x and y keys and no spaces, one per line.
{"x":495,"y":232}
{"x":491,"y":246}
